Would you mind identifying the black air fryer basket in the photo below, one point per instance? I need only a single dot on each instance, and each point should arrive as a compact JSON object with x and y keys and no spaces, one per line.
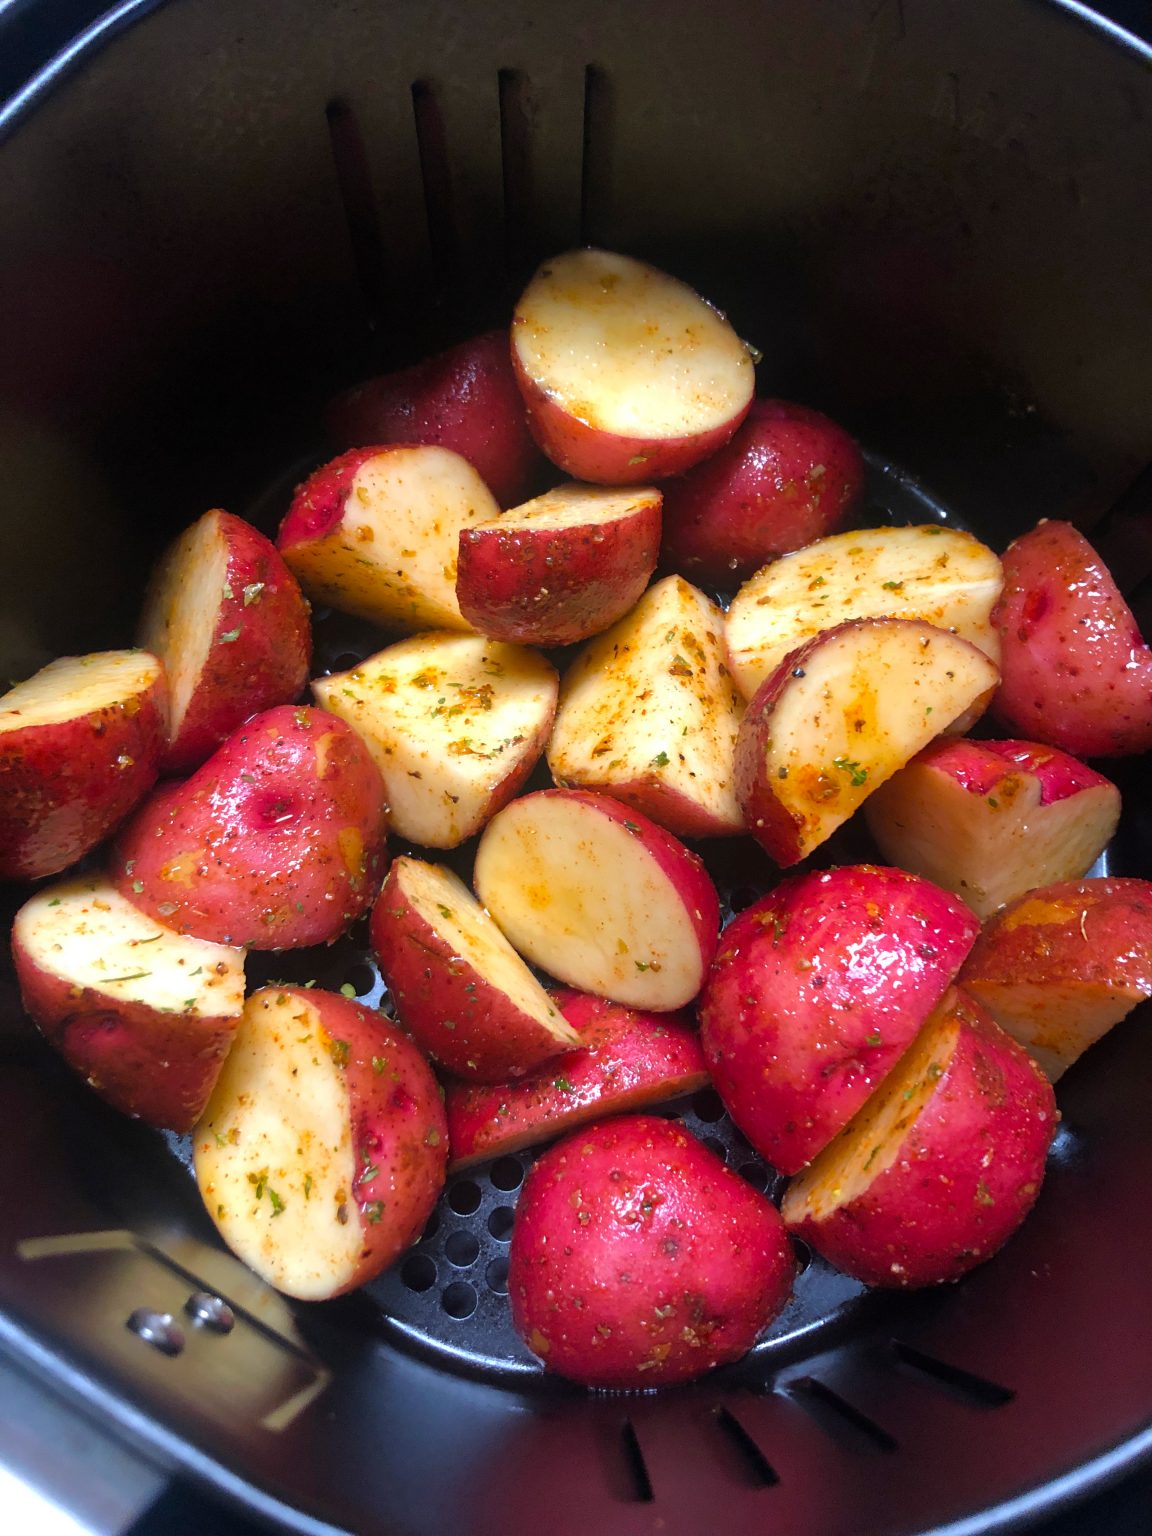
{"x":933,"y":217}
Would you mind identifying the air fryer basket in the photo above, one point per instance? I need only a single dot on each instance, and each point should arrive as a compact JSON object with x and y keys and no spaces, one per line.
{"x":931,"y":215}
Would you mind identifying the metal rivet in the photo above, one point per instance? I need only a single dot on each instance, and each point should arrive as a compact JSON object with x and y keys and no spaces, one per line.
{"x":208,"y":1311}
{"x":158,"y":1329}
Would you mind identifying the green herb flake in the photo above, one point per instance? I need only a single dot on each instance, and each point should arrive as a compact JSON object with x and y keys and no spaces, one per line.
{"x":252,"y":592}
{"x":307,"y":1186}
{"x":849,"y":766}
{"x":984,"y":1195}
{"x":368,"y":1173}
{"x":137,"y":887}
{"x":660,"y":760}
{"x":643,"y":965}
{"x":633,"y":827}
{"x":563,"y":1084}
{"x":993,"y":802}
{"x":433,"y":1138}
{"x":373,"y":1211}
{"x":444,"y":911}
{"x":338,"y":1050}
{"x":132,"y":976}
{"x":347,"y":989}
{"x":229,"y":636}
{"x":379,"y":1063}
{"x":892,"y":586}
{"x":277,"y":1204}
{"x":220,"y":1141}
{"x":874,"y":1038}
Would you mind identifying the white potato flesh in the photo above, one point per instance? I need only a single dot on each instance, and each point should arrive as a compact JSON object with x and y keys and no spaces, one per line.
{"x":871,"y":1140}
{"x":579,"y":895}
{"x":84,"y":932}
{"x":449,"y":719}
{"x":629,"y":350}
{"x":867,"y":699}
{"x":651,"y":700}
{"x":449,"y":907}
{"x":274,"y":1154}
{"x":989,"y":851}
{"x":392,"y":558}
{"x":940,"y":575}
{"x":1055,"y":1021}
{"x":76,"y":686}
{"x":577,"y":505}
{"x":183,"y":607}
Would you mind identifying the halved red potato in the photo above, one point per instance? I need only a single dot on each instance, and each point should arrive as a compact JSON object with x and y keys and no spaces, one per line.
{"x":626,"y":1060}
{"x":628,"y":375}
{"x":940,"y":1166}
{"x":638,"y":1259}
{"x":1077,"y":672}
{"x":816,"y":992}
{"x":789,"y":476}
{"x":460,"y":989}
{"x":228,"y":620}
{"x":1063,"y":964}
{"x":80,"y":746}
{"x":562,"y":567}
{"x":465,"y":399}
{"x":145,"y":1014}
{"x":991,"y":819}
{"x":599,"y":896}
{"x":648,"y":713}
{"x":322,"y":1151}
{"x":940,"y":575}
{"x":277,"y":841}
{"x":455,"y":724}
{"x":840,"y":715}
{"x":375,"y":533}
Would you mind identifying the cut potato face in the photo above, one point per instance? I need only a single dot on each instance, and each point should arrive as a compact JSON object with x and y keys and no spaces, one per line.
{"x":648,"y":714}
{"x":600,"y":897}
{"x":940,"y":575}
{"x":455,"y":724}
{"x":849,"y":708}
{"x":79,"y":686}
{"x":274,"y":1155}
{"x":375,"y":533}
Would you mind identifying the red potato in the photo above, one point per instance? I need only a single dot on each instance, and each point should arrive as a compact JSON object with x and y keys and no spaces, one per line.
{"x":842,"y":714}
{"x":627,"y":374}
{"x":144,"y":1014}
{"x":648,"y":714}
{"x":790,"y":475}
{"x":991,"y":819}
{"x":277,"y":841}
{"x":938,"y":575}
{"x":599,"y":896}
{"x":465,"y":399}
{"x":80,"y":746}
{"x":460,"y":989}
{"x":322,"y":1151}
{"x":228,"y":620}
{"x":638,"y":1259}
{"x":1077,"y":673}
{"x":816,"y":992}
{"x":941,"y":1165}
{"x":626,"y":1060}
{"x":562,"y":567}
{"x":375,"y":533}
{"x":455,"y":724}
{"x":1063,"y":964}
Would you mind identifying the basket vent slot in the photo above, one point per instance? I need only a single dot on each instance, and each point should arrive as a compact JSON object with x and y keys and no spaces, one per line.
{"x":635,"y":1464}
{"x":758,"y":1469}
{"x":596,"y":163}
{"x":436,"y":174}
{"x":964,"y":1385}
{"x":361,"y":214}
{"x":516,"y":170}
{"x":839,"y":1419}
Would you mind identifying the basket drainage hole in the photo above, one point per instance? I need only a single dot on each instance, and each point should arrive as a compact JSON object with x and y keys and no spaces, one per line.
{"x":464,"y":1198}
{"x":459,"y":1299}
{"x":755,"y":1174}
{"x":432,"y":1228}
{"x":714,"y":1144}
{"x":461,"y":1249}
{"x":419,"y":1272}
{"x":708,"y":1106}
{"x":346,"y":661}
{"x":802,"y":1254}
{"x":507,"y":1173}
{"x":361,"y":978}
{"x":500,"y":1223}
{"x":497,"y":1276}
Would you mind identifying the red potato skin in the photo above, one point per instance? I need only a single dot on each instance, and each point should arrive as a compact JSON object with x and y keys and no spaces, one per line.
{"x":627,"y":1060}
{"x":663,"y":803}
{"x":979,"y":766}
{"x":816,"y":992}
{"x":592,"y":577}
{"x":1075,"y":671}
{"x":465,"y":399}
{"x":158,"y":1067}
{"x":638,"y":1259}
{"x":439,"y":1003}
{"x":64,"y":787}
{"x":607,"y":458}
{"x":788,"y":476}
{"x":965,"y":1177}
{"x":266,"y":660}
{"x":318,"y":503}
{"x":276,"y":842}
{"x":399,"y":1129}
